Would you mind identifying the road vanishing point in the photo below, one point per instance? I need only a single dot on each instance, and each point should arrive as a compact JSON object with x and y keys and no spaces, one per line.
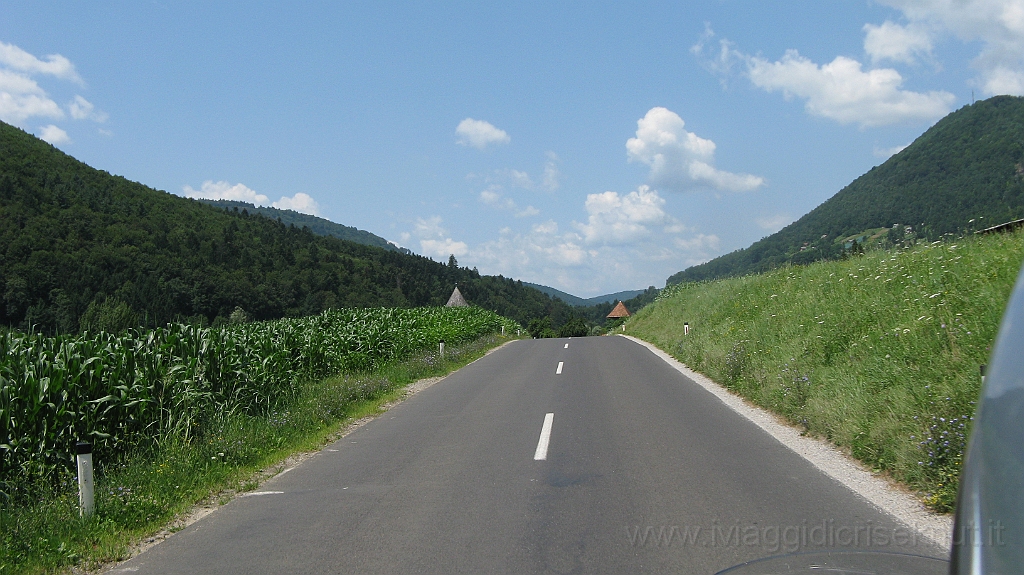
{"x":589,"y":455}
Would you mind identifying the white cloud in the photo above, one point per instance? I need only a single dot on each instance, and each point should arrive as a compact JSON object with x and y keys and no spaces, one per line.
{"x":551,"y":177}
{"x":300,"y":202}
{"x":627,"y":241}
{"x":701,"y":247}
{"x":492,"y":197}
{"x":15,"y":58}
{"x":443,"y":248}
{"x":679,"y":159}
{"x":222,"y":190}
{"x":719,"y":64}
{"x":898,"y":43}
{"x":82,"y":109}
{"x":615,"y":219}
{"x":480,"y":134}
{"x":435,"y":240}
{"x":22,"y":98}
{"x":840,"y":90}
{"x":997,"y":24}
{"x":239,"y":192}
{"x":521,"y":179}
{"x":887,"y":152}
{"x":542,"y":252}
{"x":772,"y":224}
{"x":547,"y":255}
{"x":53,"y":135}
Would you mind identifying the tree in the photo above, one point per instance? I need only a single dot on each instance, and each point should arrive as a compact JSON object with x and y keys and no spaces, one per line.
{"x":575,"y":327}
{"x":540,"y":328}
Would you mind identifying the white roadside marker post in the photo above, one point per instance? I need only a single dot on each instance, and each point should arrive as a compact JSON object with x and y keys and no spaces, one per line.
{"x":502,"y":331}
{"x":686,"y":328}
{"x":441,"y":348}
{"x":85,"y":489}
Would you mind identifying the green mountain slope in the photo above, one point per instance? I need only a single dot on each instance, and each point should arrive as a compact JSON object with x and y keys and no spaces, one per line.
{"x":968,"y":166}
{"x":80,"y":248}
{"x":585,"y":302}
{"x":317,"y":225}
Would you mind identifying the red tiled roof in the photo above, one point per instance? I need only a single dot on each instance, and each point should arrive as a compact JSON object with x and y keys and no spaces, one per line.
{"x":619,"y":311}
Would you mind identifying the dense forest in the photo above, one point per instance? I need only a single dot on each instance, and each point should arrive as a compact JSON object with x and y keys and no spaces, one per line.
{"x":83,"y":249}
{"x":317,"y":225}
{"x":965,"y":172}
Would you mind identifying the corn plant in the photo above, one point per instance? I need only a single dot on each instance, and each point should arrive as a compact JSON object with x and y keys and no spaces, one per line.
{"x":129,"y":391}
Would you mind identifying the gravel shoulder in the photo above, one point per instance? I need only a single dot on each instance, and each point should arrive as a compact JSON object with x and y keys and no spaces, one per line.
{"x":884,"y":494}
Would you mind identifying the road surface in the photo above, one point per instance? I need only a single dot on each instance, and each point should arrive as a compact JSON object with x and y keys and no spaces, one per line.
{"x":585,"y":455}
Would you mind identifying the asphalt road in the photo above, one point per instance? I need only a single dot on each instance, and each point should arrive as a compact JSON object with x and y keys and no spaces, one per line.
{"x":644,"y":471}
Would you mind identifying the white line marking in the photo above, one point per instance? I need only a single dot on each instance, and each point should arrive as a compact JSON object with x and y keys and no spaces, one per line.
{"x":545,"y":438}
{"x":558,"y":371}
{"x":566,"y":346}
{"x":254,"y":493}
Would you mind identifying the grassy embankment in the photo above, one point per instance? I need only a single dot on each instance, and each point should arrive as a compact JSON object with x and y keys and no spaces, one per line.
{"x":879,"y":353}
{"x":158,"y":480}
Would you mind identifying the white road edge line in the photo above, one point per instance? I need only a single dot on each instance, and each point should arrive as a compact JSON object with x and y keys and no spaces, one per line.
{"x":255,"y":493}
{"x":558,"y":370}
{"x":828,"y":459}
{"x":545,"y":437}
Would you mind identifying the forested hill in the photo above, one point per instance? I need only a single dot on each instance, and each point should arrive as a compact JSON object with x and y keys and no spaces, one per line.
{"x":586,"y":302}
{"x":969,"y":165}
{"x":317,"y":225}
{"x":80,"y":248}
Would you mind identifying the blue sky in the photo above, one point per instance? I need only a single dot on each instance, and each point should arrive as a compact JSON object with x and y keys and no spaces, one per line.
{"x":592,"y":147}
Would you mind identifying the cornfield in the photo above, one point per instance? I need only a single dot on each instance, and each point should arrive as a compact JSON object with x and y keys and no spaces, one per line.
{"x":127,"y":391}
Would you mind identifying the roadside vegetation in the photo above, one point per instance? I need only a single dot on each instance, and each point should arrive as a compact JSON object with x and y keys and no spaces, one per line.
{"x":879,"y":353}
{"x":182,"y":413}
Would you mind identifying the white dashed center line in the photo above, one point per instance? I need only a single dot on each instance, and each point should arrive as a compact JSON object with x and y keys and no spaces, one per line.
{"x":558,"y":370}
{"x":545,"y":437}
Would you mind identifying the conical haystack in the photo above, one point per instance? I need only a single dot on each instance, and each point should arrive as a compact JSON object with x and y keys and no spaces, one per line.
{"x":618,"y":311}
{"x":457,"y":300}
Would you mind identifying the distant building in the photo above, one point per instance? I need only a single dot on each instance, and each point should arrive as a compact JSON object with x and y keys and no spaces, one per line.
{"x":618,"y":311}
{"x":458,"y":301}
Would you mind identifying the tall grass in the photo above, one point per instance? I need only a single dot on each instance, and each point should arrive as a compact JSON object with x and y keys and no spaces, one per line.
{"x":878,"y":353}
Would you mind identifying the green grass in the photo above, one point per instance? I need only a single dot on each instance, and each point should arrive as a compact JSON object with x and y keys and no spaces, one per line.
{"x":879,"y":353}
{"x":42,"y":533}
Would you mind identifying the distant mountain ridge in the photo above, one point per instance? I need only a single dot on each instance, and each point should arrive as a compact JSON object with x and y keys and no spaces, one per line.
{"x":585,"y":302}
{"x":317,"y":225}
{"x":966,"y":171}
